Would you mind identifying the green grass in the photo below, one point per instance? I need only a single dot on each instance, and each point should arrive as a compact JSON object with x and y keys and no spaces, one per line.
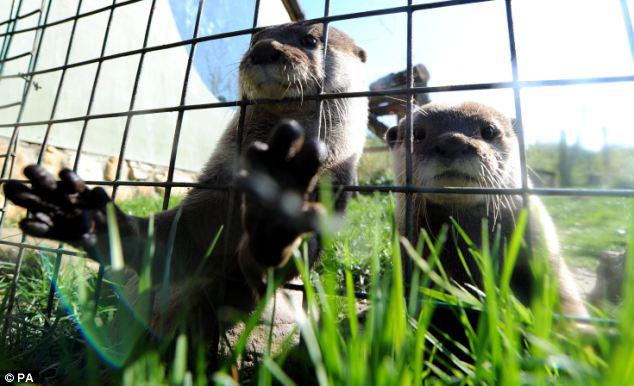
{"x":374,"y":167}
{"x":588,"y":226}
{"x":144,"y":205}
{"x":365,"y":231}
{"x":392,"y":345}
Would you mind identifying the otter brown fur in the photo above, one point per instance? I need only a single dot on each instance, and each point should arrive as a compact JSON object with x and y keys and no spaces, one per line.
{"x":283,"y":61}
{"x":473,"y":145}
{"x":277,"y":65}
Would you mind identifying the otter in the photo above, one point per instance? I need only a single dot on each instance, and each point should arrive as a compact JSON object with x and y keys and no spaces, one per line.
{"x":259,"y":228}
{"x":473,"y":145}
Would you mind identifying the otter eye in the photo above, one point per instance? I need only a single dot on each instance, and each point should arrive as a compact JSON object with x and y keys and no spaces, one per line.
{"x":489,"y":132}
{"x":419,"y":134}
{"x":309,"y":41}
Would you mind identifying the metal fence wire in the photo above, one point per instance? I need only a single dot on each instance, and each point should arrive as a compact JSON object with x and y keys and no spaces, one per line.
{"x":10,"y":31}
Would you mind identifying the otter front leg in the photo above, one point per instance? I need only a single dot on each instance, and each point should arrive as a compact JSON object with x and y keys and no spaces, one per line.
{"x":68,"y":211}
{"x":277,"y":181}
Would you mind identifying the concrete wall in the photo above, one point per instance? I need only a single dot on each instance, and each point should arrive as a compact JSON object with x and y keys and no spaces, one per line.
{"x":150,"y":137}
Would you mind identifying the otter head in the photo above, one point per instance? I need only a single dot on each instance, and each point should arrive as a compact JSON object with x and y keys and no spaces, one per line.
{"x":287,"y":61}
{"x":464,"y":145}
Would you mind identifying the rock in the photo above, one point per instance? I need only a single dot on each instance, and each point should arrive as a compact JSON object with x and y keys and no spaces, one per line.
{"x":179,"y":176}
{"x":25,"y":155}
{"x":284,"y":326}
{"x":182,"y":176}
{"x":89,"y":168}
{"x":138,"y":171}
{"x":146,"y":191}
{"x":179,"y":191}
{"x":15,"y":212}
{"x":54,"y":160}
{"x":160,"y":177}
{"x":609,"y":282}
{"x":110,"y":170}
{"x":125,"y":193}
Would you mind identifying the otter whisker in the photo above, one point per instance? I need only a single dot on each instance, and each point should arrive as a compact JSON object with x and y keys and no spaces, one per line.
{"x":498,"y":168}
{"x":489,"y":176}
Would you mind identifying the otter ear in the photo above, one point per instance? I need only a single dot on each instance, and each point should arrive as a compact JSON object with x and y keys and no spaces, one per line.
{"x":254,"y":38}
{"x":361,"y":54}
{"x":391,"y":135}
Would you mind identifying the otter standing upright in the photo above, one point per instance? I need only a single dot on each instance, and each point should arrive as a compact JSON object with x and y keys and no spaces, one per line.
{"x":472,"y":145}
{"x":283,"y":61}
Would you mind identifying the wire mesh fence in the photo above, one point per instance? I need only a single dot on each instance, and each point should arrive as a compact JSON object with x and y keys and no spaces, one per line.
{"x":10,"y":30}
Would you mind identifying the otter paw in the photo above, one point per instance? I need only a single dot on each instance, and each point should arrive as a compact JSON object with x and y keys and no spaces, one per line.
{"x":277,"y":179}
{"x":65,"y":210}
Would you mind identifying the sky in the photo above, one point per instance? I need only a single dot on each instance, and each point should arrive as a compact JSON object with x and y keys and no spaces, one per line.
{"x":554,"y":38}
{"x":469,"y":44}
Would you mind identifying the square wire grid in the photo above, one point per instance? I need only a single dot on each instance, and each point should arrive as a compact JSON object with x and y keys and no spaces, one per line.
{"x":15,"y":15}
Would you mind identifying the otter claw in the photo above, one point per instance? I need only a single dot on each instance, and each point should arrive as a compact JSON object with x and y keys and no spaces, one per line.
{"x":65,"y":210}
{"x":22,"y":196}
{"x":260,"y":186}
{"x":40,"y":178}
{"x":70,"y":182}
{"x":286,"y":163}
{"x":276,"y":183}
{"x":286,"y":141}
{"x":307,"y":162}
{"x":97,"y":198}
{"x":34,"y":227}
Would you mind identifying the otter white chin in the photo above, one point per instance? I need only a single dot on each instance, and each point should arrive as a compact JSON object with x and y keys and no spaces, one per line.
{"x":287,"y":62}
{"x":473,"y":145}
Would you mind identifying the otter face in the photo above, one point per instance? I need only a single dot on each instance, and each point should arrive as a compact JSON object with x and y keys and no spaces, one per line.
{"x":287,"y":61}
{"x":465,"y":145}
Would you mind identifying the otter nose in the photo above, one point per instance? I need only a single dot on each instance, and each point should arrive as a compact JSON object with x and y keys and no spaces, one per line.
{"x":453,"y":147}
{"x":265,"y":52}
